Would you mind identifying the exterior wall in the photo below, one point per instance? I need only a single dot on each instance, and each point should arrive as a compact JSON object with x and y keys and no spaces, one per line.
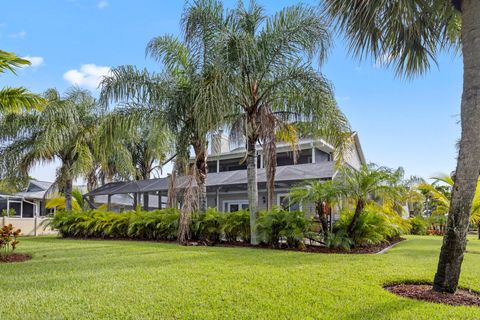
{"x":29,"y":226}
{"x":353,"y":159}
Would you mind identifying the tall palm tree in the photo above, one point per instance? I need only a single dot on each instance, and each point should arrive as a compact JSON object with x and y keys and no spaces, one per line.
{"x":63,"y":131}
{"x":409,"y":35}
{"x":183,"y":96}
{"x":323,"y":194}
{"x":271,"y":79}
{"x":16,"y":99}
{"x":366,"y":185}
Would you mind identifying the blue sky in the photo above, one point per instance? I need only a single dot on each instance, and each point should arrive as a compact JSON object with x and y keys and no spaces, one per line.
{"x":413,"y":124}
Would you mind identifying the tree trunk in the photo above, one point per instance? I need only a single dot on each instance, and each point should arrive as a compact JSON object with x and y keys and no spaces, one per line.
{"x":321,"y":215}
{"x":468,"y":164}
{"x":252,"y":187}
{"x":358,"y":210}
{"x":201,"y":174}
{"x":68,"y":194}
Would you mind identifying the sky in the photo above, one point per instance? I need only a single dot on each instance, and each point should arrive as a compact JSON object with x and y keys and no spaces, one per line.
{"x":409,"y":123}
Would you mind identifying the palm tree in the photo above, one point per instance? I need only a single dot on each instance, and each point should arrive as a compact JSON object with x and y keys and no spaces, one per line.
{"x":133,"y":154}
{"x":185,"y":96}
{"x":409,"y":35}
{"x":63,"y":131}
{"x":271,"y":79}
{"x":16,"y":99}
{"x":442,"y":199}
{"x":366,"y":185}
{"x":323,"y":194}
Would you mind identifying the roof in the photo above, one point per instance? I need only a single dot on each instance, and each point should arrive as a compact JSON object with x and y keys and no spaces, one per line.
{"x":299,"y":172}
{"x":36,"y":189}
{"x":44,"y":185}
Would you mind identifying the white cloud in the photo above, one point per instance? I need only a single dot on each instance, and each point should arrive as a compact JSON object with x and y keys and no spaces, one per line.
{"x":18,"y":35}
{"x":88,"y":76}
{"x":35,"y":61}
{"x":102,"y":4}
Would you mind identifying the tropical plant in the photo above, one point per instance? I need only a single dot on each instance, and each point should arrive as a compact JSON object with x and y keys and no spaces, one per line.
{"x":366,"y":185}
{"x":440,"y":191}
{"x":374,"y":225}
{"x":236,"y":226}
{"x":207,"y":225}
{"x":282,"y":226}
{"x":419,"y":225}
{"x":65,"y":130}
{"x":8,"y":240}
{"x":16,"y":99}
{"x":338,"y":240}
{"x":410,"y":44}
{"x":143,"y":225}
{"x":323,"y":194}
{"x":273,"y":88}
{"x":58,"y":201}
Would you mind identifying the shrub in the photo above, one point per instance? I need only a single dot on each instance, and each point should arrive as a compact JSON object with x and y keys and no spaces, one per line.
{"x":236,"y":225}
{"x":374,"y":225}
{"x":280,"y":224}
{"x":154,"y":225}
{"x":8,"y":240}
{"x":338,"y":240}
{"x":419,"y":225}
{"x":207,"y":225}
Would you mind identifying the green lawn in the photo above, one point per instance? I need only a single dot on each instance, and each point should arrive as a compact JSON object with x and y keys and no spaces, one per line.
{"x":69,"y":279}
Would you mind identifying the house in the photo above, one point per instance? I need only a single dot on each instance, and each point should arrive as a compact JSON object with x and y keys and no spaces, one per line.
{"x":29,"y":203}
{"x":227,"y":175}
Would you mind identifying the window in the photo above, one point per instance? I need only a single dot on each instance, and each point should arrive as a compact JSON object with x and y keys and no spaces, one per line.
{"x":236,"y":205}
{"x":282,"y":200}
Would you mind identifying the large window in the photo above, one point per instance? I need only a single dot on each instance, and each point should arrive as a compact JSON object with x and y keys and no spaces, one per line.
{"x":235,"y":205}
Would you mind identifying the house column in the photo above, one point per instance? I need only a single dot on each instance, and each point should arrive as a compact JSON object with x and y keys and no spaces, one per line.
{"x":218,"y":165}
{"x":159,"y":199}
{"x":217,"y":198}
{"x":109,"y":202}
{"x":313,"y":155}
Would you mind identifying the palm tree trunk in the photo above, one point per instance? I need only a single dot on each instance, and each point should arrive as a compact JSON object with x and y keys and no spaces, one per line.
{"x":201,"y":174}
{"x":358,"y":210}
{"x":468,"y":164}
{"x":321,"y":215}
{"x":68,"y":194}
{"x":252,"y":187}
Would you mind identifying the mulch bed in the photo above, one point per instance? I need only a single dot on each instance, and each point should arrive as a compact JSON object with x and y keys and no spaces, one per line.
{"x":424,"y":292}
{"x":15,"y":257}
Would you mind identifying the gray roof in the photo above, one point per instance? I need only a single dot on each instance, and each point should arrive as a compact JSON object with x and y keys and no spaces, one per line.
{"x":292,"y":173}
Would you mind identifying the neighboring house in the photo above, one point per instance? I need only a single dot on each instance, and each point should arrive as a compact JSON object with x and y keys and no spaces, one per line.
{"x":29,"y":203}
{"x":227,"y":174}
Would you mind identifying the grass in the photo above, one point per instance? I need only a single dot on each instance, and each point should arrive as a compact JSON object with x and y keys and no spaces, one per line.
{"x":79,"y":279}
